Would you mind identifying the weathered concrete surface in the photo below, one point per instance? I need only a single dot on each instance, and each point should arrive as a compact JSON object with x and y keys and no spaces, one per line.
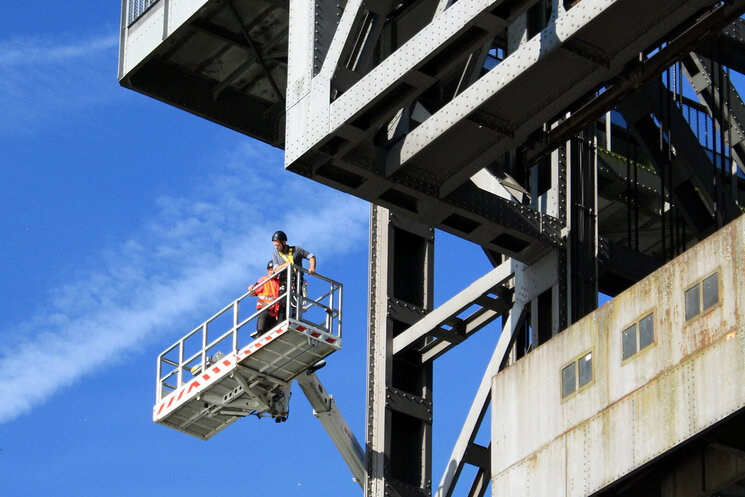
{"x":633,"y":410}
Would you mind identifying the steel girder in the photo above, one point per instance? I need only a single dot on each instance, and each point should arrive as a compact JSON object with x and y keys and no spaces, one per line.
{"x":729,"y":48}
{"x":406,"y":335}
{"x":419,"y":106}
{"x":690,"y":181}
{"x":719,"y":95}
{"x":530,"y":282}
{"x":457,"y":319}
{"x":398,"y":136}
{"x":399,"y":402}
{"x":225,"y":61}
{"x":650,"y":64}
{"x":465,"y":442}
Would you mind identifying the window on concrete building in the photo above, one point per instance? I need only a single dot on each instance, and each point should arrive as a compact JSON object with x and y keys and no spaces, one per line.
{"x":701,"y":296}
{"x":693,"y":299}
{"x":585,"y":370}
{"x":646,"y":331}
{"x":576,"y":375}
{"x":638,"y":336}
{"x":628,"y":340}
{"x":710,"y":291}
{"x":568,"y":380}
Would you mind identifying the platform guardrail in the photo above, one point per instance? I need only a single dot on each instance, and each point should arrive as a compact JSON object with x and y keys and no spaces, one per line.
{"x":311,"y":298}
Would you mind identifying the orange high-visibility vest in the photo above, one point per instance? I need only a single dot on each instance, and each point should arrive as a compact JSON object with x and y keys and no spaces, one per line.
{"x":267,"y":293}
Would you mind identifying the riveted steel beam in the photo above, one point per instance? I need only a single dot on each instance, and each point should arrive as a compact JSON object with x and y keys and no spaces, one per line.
{"x":399,"y":405}
{"x":480,"y":403}
{"x":465,"y":299}
{"x":714,"y":89}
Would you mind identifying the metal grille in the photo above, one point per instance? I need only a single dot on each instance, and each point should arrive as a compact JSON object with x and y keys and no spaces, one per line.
{"x":137,"y":8}
{"x":706,"y":130}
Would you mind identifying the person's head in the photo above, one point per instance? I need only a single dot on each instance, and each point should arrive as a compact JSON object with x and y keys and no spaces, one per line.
{"x":269,"y":267}
{"x":279,"y":239}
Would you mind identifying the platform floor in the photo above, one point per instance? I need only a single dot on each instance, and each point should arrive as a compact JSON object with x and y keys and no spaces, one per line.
{"x":253,"y":380}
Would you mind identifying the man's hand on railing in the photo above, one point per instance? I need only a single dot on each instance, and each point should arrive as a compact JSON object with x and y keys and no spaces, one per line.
{"x":312,"y":268}
{"x":280,"y":268}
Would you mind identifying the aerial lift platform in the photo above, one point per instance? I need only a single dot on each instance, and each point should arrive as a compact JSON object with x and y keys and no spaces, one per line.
{"x":219,"y":372}
{"x":224,"y":370}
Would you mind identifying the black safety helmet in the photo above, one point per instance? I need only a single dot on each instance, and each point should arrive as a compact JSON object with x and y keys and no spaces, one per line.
{"x":270,"y":265}
{"x":279,"y":235}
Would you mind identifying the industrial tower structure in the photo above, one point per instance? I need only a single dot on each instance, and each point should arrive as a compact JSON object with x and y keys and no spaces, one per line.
{"x":559,"y":135}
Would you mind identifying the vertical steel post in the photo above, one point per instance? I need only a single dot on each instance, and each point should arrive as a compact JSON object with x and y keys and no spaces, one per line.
{"x":582,"y":240}
{"x":339,"y":314}
{"x":180,"y":363}
{"x":235,"y":326}
{"x":158,"y":386}
{"x":399,"y":444}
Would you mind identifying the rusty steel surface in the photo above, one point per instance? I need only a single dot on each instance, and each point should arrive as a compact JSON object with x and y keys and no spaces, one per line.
{"x":635,"y":409}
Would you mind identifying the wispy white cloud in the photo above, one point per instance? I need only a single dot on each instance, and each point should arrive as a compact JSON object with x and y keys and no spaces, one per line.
{"x":45,"y":50}
{"x":47,"y":80}
{"x":197,"y":251}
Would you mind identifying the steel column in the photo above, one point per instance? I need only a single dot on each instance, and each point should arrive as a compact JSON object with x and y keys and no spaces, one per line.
{"x":399,"y":403}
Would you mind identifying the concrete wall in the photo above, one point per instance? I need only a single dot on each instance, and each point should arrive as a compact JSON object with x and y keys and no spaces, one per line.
{"x":635,"y":409}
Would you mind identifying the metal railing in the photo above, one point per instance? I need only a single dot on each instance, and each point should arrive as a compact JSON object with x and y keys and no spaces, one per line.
{"x":136,"y":8}
{"x":312,"y":298}
{"x":716,"y":145}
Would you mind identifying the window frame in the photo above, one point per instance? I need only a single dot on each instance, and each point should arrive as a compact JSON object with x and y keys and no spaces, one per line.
{"x":575,"y":362}
{"x":700,"y":283}
{"x":636,"y":323}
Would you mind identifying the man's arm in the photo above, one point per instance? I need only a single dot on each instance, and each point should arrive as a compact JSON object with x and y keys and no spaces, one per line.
{"x":256,"y":286}
{"x":312,"y":268}
{"x":301,"y":252}
{"x":280,"y":268}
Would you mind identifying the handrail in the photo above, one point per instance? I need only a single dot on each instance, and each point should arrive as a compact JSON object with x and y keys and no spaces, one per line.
{"x":296,"y":304}
{"x":136,"y":9}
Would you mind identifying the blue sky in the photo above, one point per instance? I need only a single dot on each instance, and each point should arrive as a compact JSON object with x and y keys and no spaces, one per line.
{"x":125,"y":224}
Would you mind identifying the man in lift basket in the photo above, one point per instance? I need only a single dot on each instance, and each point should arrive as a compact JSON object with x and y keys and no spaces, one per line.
{"x":284,"y":256}
{"x":266,"y":289}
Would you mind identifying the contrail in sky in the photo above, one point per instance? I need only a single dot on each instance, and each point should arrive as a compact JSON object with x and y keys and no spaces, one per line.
{"x":197,"y":250}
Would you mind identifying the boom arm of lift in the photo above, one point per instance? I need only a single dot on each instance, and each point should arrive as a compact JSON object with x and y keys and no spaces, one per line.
{"x":326,"y":411}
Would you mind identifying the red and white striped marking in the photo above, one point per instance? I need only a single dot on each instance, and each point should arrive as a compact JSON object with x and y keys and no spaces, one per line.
{"x":316,"y":333}
{"x":186,"y":391}
{"x":260,"y":342}
{"x":217,"y":371}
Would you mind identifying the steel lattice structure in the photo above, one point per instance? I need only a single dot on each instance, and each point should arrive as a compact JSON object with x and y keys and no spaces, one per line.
{"x":558,"y":135}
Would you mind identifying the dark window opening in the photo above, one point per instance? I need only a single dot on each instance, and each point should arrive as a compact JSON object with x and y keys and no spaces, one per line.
{"x":646,"y":332}
{"x":702,"y":296}
{"x":568,"y":380}
{"x":628,"y":340}
{"x":576,"y":375}
{"x":638,"y":336}
{"x":584,"y":365}
{"x":710,"y":291}
{"x":692,"y":302}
